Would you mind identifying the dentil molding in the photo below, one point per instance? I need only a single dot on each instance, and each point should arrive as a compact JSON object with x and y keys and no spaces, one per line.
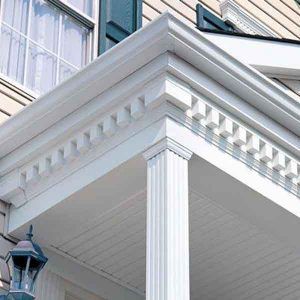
{"x":250,"y":146}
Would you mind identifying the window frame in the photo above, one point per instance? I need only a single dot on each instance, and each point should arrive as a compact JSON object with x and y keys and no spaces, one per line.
{"x":91,"y":23}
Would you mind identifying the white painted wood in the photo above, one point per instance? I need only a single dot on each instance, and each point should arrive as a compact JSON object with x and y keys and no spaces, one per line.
{"x":167,"y":225}
{"x":266,"y":153}
{"x":50,"y":286}
{"x":292,"y":169}
{"x":137,"y":108}
{"x":212,"y":120}
{"x":226,"y":128}
{"x":199,"y":110}
{"x":278,"y":161}
{"x":240,"y":136}
{"x":252,"y":145}
{"x":233,"y":13}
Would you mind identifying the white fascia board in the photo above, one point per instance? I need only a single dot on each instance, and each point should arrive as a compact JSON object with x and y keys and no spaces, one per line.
{"x":267,"y":56}
{"x":166,"y":34}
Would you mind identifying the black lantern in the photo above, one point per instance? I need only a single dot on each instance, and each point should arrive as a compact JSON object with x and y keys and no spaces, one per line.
{"x":26,"y":261}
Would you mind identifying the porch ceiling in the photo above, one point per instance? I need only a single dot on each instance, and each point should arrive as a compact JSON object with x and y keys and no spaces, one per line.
{"x":103,"y":228}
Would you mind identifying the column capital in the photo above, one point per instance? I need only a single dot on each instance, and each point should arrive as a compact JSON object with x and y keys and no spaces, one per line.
{"x":168,"y":143}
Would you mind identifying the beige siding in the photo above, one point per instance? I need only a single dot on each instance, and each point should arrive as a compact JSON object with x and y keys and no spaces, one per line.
{"x":12,"y":99}
{"x":282,"y":16}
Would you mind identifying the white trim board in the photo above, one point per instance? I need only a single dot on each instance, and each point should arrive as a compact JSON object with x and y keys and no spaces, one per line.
{"x":233,"y":13}
{"x":165,"y":34}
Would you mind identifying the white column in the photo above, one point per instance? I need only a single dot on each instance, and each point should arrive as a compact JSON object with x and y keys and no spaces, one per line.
{"x":167,"y":222}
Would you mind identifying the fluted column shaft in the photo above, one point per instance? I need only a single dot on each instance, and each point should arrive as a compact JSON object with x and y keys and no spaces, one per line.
{"x":167,"y":222}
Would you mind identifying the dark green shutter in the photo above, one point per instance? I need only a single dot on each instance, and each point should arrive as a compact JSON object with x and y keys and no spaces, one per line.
{"x":207,"y":20}
{"x":118,"y":19}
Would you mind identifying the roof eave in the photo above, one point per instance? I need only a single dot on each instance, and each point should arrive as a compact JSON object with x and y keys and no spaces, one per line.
{"x":165,"y":34}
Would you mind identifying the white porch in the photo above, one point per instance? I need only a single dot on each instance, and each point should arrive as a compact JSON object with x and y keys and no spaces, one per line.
{"x":161,"y":143}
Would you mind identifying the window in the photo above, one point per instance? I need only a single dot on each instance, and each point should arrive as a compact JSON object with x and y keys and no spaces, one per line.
{"x":42,"y":44}
{"x":207,"y":20}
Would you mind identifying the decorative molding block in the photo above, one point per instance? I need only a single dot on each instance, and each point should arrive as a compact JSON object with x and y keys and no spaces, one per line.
{"x":240,"y":136}
{"x":167,"y":89}
{"x":109,"y":126}
{"x":252,"y":145}
{"x":123,"y":117}
{"x":291,"y":169}
{"x":170,"y":144}
{"x":278,"y":161}
{"x":212,"y":119}
{"x":199,"y":110}
{"x":96,"y":134}
{"x":241,"y":19}
{"x":137,"y":108}
{"x":266,"y":153}
{"x":83,"y":142}
{"x":226,"y":128}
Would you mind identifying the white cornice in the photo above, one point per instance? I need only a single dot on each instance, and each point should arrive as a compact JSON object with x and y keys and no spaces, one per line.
{"x":202,"y":81}
{"x":201,"y":116}
{"x":163,"y":35}
{"x":236,"y":15}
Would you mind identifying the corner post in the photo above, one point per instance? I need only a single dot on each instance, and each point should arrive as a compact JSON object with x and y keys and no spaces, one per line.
{"x":167,"y":275}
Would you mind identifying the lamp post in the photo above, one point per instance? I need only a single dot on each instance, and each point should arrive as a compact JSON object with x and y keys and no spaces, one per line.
{"x":26,"y":261}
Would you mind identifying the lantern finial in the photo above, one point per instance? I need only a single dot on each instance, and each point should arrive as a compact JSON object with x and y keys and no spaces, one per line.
{"x":30,"y":234}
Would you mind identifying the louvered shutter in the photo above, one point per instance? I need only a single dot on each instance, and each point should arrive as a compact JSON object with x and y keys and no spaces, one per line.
{"x":118,"y":19}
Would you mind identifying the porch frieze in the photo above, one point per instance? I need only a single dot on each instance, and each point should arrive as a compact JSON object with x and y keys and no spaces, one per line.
{"x":168,"y":96}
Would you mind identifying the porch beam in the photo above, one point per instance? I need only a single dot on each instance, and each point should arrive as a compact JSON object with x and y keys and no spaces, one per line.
{"x":167,"y":275}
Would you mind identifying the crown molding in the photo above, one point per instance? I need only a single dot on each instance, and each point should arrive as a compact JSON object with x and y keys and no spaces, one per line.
{"x":165,"y":34}
{"x":232,"y":102}
{"x":241,"y":19}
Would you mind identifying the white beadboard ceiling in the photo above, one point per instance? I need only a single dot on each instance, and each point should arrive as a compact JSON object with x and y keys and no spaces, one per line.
{"x":230,"y":259}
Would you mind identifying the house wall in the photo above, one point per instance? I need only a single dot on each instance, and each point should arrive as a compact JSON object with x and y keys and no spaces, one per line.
{"x":5,"y":246}
{"x":281,"y":16}
{"x":12,"y":99}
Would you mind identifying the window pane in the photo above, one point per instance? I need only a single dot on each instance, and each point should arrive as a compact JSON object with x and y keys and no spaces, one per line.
{"x":12,"y":54}
{"x":41,"y":71}
{"x":45,"y":25}
{"x":15,"y":14}
{"x":74,"y":42}
{"x":85,"y":6}
{"x":65,"y":71}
